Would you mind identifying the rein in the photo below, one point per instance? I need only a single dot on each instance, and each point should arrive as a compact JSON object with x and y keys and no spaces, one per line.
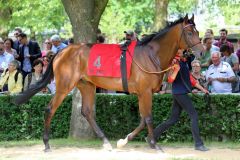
{"x":160,"y":72}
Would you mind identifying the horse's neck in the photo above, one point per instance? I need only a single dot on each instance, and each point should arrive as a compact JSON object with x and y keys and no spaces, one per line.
{"x":168,"y":46}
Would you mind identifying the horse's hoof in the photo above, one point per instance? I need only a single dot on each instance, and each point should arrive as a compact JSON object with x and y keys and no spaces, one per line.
{"x":121,"y":143}
{"x":47,"y":150}
{"x":107,"y":146}
{"x":153,"y":144}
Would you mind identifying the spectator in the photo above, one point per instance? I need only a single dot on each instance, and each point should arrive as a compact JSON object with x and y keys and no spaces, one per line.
{"x":209,"y":48}
{"x":29,"y":51}
{"x":16,"y":43}
{"x":8,"y":44}
{"x":45,"y":61}
{"x":196,"y":73}
{"x":209,"y":32}
{"x":100,"y":39}
{"x":35,"y":76}
{"x":223,"y":40}
{"x":57,"y":44}
{"x":165,"y":87}
{"x":232,"y":59}
{"x":70,"y":41}
{"x":220,"y":75}
{"x":238,"y":50}
{"x":47,"y":47}
{"x":11,"y":80}
{"x":5,"y":58}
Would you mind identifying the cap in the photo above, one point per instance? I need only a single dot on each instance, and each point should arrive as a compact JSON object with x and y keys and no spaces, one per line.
{"x":129,"y":32}
{"x":55,"y":38}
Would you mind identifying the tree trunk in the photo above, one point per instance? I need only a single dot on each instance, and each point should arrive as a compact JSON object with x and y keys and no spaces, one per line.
{"x":84,"y":16}
{"x":160,"y":14}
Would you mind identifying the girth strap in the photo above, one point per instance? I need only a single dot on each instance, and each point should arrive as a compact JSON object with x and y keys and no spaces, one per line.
{"x":123,"y":60}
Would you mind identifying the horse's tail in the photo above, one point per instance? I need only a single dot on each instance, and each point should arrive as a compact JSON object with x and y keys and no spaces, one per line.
{"x":33,"y":89}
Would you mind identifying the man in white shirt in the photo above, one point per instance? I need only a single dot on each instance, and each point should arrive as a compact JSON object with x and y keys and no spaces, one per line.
{"x":5,"y":59}
{"x":57,"y":44}
{"x":220,"y":75}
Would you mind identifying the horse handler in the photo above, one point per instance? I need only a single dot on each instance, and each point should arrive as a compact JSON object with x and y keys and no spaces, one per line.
{"x":182,"y":80}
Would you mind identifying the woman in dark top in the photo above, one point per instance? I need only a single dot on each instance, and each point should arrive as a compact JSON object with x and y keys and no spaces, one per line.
{"x":182,"y":82}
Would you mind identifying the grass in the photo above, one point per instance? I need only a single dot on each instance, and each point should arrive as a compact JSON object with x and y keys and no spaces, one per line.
{"x":97,"y":143}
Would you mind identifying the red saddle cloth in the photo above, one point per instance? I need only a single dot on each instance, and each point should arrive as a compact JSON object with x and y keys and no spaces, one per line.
{"x":104,"y":60}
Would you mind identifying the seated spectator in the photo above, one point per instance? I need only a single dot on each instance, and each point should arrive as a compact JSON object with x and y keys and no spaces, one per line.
{"x":11,"y":79}
{"x":35,"y":76}
{"x":45,"y":61}
{"x":166,"y":87}
{"x":205,"y":58}
{"x":232,"y":59}
{"x":196,"y":73}
{"x":220,"y":75}
{"x":57,"y":44}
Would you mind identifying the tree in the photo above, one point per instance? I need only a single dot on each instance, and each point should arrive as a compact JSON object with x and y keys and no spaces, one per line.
{"x":36,"y":16}
{"x":161,"y":14}
{"x":84,"y":16}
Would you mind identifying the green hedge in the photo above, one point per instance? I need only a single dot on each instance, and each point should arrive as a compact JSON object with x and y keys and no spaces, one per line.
{"x":118,"y":115}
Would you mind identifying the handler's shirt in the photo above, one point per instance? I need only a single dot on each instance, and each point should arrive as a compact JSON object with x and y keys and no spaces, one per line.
{"x":223,"y":70}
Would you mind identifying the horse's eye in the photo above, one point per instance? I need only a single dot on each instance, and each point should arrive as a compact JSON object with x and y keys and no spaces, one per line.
{"x":189,"y":34}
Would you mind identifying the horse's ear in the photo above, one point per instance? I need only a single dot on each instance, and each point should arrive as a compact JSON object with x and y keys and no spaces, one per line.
{"x":186,"y":18}
{"x":192,"y":19}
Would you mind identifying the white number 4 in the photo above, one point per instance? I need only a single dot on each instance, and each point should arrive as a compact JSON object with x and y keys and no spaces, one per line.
{"x":97,"y":62}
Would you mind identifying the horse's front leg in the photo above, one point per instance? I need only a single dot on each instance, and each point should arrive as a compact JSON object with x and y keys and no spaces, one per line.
{"x":130,"y":136}
{"x":145,"y":108}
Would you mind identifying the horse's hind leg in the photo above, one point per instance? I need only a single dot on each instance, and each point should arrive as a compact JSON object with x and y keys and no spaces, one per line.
{"x":88,"y":96}
{"x":49,"y":113}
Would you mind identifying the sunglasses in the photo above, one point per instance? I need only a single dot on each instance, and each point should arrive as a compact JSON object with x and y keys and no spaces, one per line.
{"x":48,"y":43}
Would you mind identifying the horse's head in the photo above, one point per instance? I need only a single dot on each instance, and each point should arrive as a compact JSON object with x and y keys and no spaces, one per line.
{"x":190,"y":36}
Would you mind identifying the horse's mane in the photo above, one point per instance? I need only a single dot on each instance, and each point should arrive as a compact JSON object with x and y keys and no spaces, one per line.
{"x":159,"y":34}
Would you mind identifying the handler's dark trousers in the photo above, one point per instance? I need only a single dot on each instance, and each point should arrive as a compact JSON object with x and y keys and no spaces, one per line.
{"x":181,"y":101}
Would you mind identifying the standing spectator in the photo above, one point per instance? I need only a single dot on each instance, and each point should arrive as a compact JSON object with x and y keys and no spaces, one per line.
{"x":223,"y":40}
{"x":47,"y":47}
{"x":220,"y":75}
{"x":70,"y":41}
{"x":57,"y":44}
{"x":11,"y":79}
{"x":196,"y":73}
{"x":232,"y":59}
{"x":8,"y":44}
{"x":5,"y":58}
{"x":16,"y":43}
{"x":205,"y":58}
{"x":238,"y":50}
{"x":181,"y":80}
{"x":29,"y":51}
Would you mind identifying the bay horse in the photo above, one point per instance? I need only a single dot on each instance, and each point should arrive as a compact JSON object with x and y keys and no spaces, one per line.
{"x":151,"y":56}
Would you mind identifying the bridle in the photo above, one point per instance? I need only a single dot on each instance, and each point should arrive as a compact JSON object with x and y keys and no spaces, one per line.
{"x":188,"y":42}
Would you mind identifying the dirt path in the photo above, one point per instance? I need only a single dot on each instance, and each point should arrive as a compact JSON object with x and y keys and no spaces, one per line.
{"x":67,"y":153}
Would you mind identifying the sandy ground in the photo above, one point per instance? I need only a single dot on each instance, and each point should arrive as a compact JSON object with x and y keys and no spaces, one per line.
{"x":68,"y":153}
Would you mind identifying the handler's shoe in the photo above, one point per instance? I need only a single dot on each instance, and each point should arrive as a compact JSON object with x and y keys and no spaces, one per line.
{"x":201,"y":148}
